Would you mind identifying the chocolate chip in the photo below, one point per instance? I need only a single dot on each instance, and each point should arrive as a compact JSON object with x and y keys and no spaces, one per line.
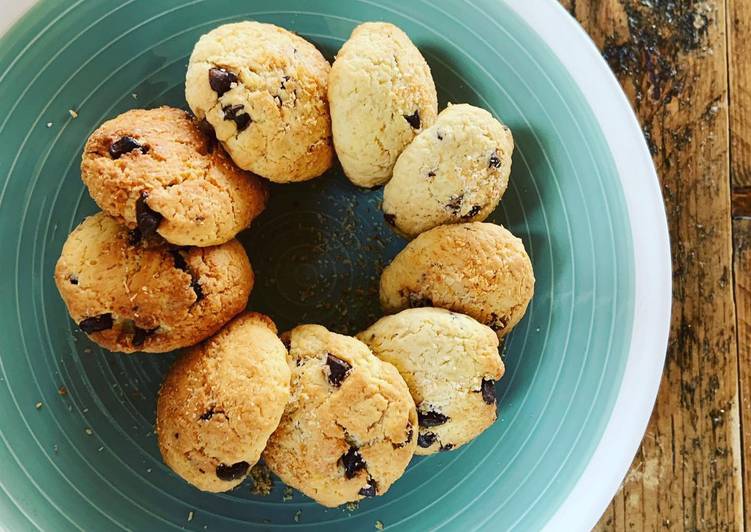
{"x":426,"y":439}
{"x":284,"y":80}
{"x":73,"y":279}
{"x":472,"y":212}
{"x":179,"y":260}
{"x":235,"y":112}
{"x":431,"y":418}
{"x":140,"y":335}
{"x":413,"y":119}
{"x":410,"y":434}
{"x":125,"y":145}
{"x":439,"y":136}
{"x":488,"y":391}
{"x":352,"y":462}
{"x":390,"y":219}
{"x":232,"y":472}
{"x":496,"y":322}
{"x":338,"y":369}
{"x":455,"y":204}
{"x":221,"y":80}
{"x":495,"y":161}
{"x":96,"y":323}
{"x":371,"y":490}
{"x":416,"y":300}
{"x":134,"y":237}
{"x":177,"y":435}
{"x":196,"y":286}
{"x":208,"y":414}
{"x":446,"y":447}
{"x":148,"y":220}
{"x":431,"y":174}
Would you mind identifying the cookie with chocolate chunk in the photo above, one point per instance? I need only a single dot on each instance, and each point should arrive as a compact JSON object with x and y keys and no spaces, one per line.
{"x":220,"y":402}
{"x":132,"y":293}
{"x":263,"y":89}
{"x":350,"y":427}
{"x":159,"y":171}
{"x":454,"y":171}
{"x":450,"y":363}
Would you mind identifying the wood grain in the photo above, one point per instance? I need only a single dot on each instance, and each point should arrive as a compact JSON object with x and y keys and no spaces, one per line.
{"x":739,"y":62}
{"x":671,"y":59}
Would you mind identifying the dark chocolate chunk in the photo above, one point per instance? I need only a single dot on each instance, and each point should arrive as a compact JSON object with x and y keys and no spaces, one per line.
{"x":371,"y":490}
{"x":472,"y":212}
{"x":352,"y":462}
{"x":134,"y":237}
{"x":413,"y":119}
{"x":208,"y":414}
{"x":431,"y":418}
{"x":390,"y":219}
{"x":496,"y":322}
{"x":439,"y":136}
{"x":232,"y":472}
{"x":431,"y":174}
{"x":140,"y":335}
{"x":196,"y":286}
{"x":426,"y":439}
{"x":179,"y":260}
{"x":410,"y":434}
{"x":488,"y":391}
{"x":338,"y":369}
{"x":177,"y":435}
{"x":236,"y":113}
{"x":148,"y":220}
{"x":221,"y":80}
{"x":73,"y":279}
{"x":96,"y":323}
{"x":455,"y":204}
{"x":495,"y":161}
{"x":125,"y":145}
{"x":446,"y":447}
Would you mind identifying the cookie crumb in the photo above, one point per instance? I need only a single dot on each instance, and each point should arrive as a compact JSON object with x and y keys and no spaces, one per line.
{"x":49,"y":124}
{"x":72,"y":113}
{"x":298,"y":513}
{"x":100,"y":449}
{"x":352,"y":506}
{"x":148,"y":470}
{"x":62,"y":391}
{"x":38,"y":405}
{"x":379,"y":525}
{"x":190,"y":514}
{"x":55,"y":449}
{"x":287,"y":494}
{"x":262,"y":481}
{"x":88,"y":431}
{"x":134,"y":95}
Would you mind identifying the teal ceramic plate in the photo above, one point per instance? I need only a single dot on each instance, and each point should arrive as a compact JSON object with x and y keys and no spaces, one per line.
{"x":76,"y":424}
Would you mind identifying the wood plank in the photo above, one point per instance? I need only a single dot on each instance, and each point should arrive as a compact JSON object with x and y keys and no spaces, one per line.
{"x":670,"y":58}
{"x":742,"y":267}
{"x":739,"y":58}
{"x":741,"y":202}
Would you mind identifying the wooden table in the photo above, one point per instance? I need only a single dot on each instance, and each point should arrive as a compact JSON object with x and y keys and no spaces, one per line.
{"x":686,"y":67}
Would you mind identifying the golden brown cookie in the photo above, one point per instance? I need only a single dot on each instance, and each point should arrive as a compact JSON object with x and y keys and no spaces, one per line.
{"x":381,"y":95}
{"x":348,"y":431}
{"x":130,"y":294}
{"x":220,"y":402}
{"x":263,"y":89}
{"x":450,"y":363}
{"x":479,"y":269}
{"x":156,"y":170}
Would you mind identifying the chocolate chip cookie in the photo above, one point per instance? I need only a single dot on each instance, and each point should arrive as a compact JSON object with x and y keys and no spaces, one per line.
{"x":350,"y":427}
{"x":131,"y":293}
{"x":381,"y":95}
{"x":158,"y":171}
{"x":450,"y":363}
{"x":263,"y":89}
{"x":454,"y":171}
{"x":479,"y":269}
{"x":220,"y":402}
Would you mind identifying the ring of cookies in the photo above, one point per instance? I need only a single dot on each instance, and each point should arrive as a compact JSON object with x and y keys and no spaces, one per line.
{"x":336,"y":417}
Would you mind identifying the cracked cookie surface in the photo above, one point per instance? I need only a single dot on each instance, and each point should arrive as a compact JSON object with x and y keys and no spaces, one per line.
{"x":129,"y":293}
{"x":157,"y":170}
{"x":450,"y":363}
{"x":477,"y":268}
{"x":350,"y":427}
{"x":220,"y":402}
{"x":381,"y":95}
{"x":263,"y":89}
{"x":455,"y":171}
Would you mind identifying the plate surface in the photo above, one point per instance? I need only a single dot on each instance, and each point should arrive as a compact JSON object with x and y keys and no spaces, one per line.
{"x":582,"y":368}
